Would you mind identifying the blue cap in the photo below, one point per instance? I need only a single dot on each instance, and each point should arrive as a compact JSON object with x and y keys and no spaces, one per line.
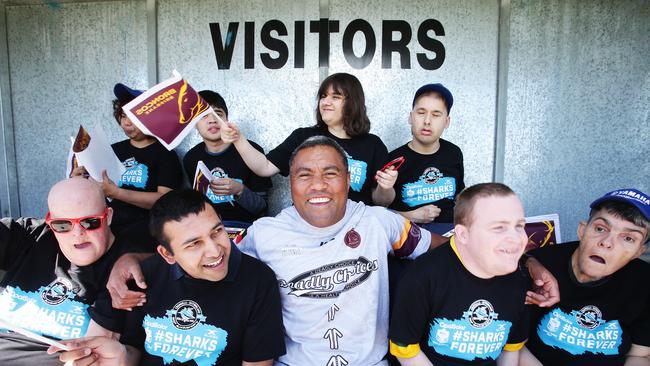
{"x":124,"y":94}
{"x":438,"y":88}
{"x":631,"y":196}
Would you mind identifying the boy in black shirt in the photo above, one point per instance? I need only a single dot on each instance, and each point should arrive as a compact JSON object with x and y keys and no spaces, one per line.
{"x":603,"y":317}
{"x":207,"y":303}
{"x":463,"y":303}
{"x":56,"y":269}
{"x":151,"y":171}
{"x":432,"y":173}
{"x":236,"y":192}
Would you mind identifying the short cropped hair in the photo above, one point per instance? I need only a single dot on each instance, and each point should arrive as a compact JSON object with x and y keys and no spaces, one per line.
{"x":215,"y":100}
{"x":175,"y":205}
{"x":467,"y":199}
{"x":623,"y":211}
{"x":355,"y":119}
{"x":320,"y":141}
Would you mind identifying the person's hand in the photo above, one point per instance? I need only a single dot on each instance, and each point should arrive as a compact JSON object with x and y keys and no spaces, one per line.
{"x":386,"y":178}
{"x":79,"y":171}
{"x":546,"y":289}
{"x":108,"y":186}
{"x":126,"y":268}
{"x":425,"y":214}
{"x":230,"y":133}
{"x":101,"y":351}
{"x":226,"y":186}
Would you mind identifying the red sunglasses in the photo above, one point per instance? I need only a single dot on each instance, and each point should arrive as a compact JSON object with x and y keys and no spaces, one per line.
{"x":63,"y":225}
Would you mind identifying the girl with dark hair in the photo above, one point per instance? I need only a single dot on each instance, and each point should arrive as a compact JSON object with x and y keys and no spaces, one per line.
{"x":341,"y":116}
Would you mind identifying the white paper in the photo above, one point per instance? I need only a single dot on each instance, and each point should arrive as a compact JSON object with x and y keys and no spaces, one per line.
{"x":99,"y":155}
{"x":29,"y":334}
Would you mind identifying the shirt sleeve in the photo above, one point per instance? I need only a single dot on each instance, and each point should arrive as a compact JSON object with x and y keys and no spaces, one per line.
{"x":640,"y":329}
{"x":407,"y":240}
{"x":246,"y":242}
{"x":189,"y":167}
{"x":264,"y":334}
{"x":103,"y":313}
{"x":281,"y":154}
{"x":411,"y":313}
{"x":133,"y":334}
{"x":519,"y":331}
{"x":170,"y":173}
{"x":460,"y":185}
{"x":17,"y":237}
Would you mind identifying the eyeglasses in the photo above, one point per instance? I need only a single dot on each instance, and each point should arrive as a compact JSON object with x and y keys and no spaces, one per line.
{"x":64,"y":225}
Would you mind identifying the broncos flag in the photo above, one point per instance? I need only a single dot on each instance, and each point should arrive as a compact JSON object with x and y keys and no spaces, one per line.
{"x":168,"y":111}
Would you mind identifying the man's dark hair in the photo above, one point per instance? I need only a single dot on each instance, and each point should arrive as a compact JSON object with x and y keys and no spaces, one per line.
{"x":355,"y":120}
{"x":214,"y":99}
{"x":118,"y":113}
{"x":467,"y":199}
{"x":320,"y":141}
{"x":174,"y":205}
{"x":623,"y":211}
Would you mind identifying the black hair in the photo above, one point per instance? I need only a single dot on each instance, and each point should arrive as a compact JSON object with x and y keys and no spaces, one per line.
{"x":320,"y":141}
{"x":174,"y":205}
{"x":215,"y":100}
{"x":624,"y":211}
{"x":118,"y":113}
{"x":355,"y":119}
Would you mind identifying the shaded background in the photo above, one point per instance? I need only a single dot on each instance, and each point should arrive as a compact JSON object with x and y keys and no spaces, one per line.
{"x":551,"y":97}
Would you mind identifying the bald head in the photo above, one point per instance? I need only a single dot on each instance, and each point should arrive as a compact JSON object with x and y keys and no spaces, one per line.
{"x":75,"y":197}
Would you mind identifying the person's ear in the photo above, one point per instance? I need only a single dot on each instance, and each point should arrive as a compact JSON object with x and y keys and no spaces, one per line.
{"x":167,"y":255}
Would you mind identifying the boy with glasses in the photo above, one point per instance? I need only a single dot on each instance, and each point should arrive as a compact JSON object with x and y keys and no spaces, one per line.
{"x":56,"y":269}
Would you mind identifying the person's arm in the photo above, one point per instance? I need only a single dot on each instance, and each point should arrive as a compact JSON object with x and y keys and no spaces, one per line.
{"x":546,"y":289}
{"x":253,"y":202}
{"x":259,"y":363}
{"x":437,"y":240}
{"x":126,"y":268}
{"x":526,"y":358}
{"x":508,"y":358}
{"x":254,"y":159}
{"x":141,"y":199}
{"x":422,"y":215}
{"x":384,"y":193}
{"x":16,"y":237}
{"x":638,"y":356}
{"x":102,"y":351}
{"x":418,"y":360}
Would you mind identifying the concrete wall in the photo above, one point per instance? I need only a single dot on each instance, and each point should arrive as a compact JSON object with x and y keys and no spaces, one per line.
{"x":551,"y":96}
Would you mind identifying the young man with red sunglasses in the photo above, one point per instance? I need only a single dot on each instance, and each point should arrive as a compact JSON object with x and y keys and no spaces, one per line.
{"x":56,"y":268}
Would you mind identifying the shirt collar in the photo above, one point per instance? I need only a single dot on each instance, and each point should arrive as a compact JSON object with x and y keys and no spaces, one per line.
{"x":233,"y":266}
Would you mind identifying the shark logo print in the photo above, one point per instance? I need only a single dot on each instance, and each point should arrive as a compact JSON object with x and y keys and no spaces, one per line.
{"x":184,"y":334}
{"x":332,"y":279}
{"x":430,"y":187}
{"x":478,"y":334}
{"x":136,"y":174}
{"x":57,"y":291}
{"x":581,"y":331}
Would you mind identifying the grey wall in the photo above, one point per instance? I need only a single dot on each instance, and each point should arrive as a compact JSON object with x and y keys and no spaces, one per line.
{"x":570,"y":80}
{"x":578,"y":121}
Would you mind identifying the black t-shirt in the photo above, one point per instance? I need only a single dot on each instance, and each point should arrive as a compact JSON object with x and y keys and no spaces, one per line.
{"x":227,"y":164}
{"x":595,"y":323}
{"x":192,"y":321}
{"x":146,"y":169}
{"x":454,"y":316}
{"x":366,"y":154}
{"x":43,"y":292}
{"x":429,"y":179}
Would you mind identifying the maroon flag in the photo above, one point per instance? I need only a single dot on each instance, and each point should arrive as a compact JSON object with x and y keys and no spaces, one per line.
{"x":168,"y":111}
